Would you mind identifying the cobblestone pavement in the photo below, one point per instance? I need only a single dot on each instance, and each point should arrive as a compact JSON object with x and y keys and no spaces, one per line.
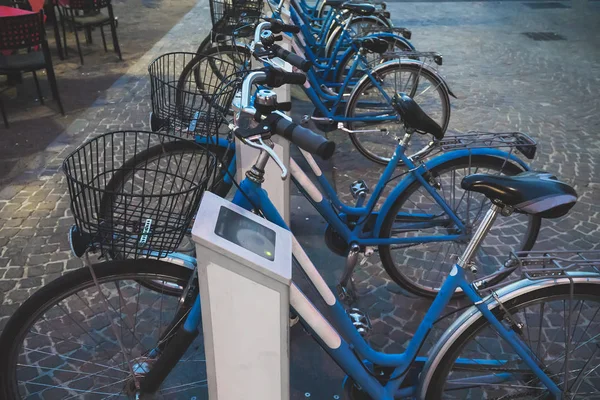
{"x":34,"y":215}
{"x":504,"y":81}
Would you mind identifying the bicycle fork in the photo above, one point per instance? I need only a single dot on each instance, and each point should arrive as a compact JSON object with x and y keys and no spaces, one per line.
{"x":176,"y":339}
{"x":173,"y":352}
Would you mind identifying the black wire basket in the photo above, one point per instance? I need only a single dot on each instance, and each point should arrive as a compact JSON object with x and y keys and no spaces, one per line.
{"x":229,"y":16}
{"x":133,"y":194}
{"x":190,"y":94}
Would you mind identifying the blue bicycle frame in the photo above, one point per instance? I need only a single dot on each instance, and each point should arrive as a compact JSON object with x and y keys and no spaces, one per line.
{"x":328,"y":66}
{"x":347,"y":347}
{"x":337,"y":214}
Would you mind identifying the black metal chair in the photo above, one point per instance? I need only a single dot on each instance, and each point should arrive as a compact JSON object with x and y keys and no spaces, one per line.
{"x":26,"y":32}
{"x":50,"y":14}
{"x":86,"y":15}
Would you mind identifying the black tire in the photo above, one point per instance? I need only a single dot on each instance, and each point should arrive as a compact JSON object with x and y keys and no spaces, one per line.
{"x":583,"y":293}
{"x":379,"y":147}
{"x":205,"y":85}
{"x":205,"y":45}
{"x":43,"y":306}
{"x":231,"y":53}
{"x":413,"y":276}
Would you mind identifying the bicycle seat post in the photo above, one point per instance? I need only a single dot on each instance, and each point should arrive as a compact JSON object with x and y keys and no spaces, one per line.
{"x":482,"y":230}
{"x":406,"y":139}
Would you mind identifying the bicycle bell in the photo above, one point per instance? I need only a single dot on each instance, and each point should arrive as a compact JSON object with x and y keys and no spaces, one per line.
{"x":267,"y":38}
{"x":266,"y":97}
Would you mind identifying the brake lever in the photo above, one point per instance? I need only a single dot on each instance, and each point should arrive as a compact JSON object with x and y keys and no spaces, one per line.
{"x":270,"y":151}
{"x":266,"y":59}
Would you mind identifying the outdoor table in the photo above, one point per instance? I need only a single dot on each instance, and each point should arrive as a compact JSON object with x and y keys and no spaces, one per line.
{"x":6,"y":11}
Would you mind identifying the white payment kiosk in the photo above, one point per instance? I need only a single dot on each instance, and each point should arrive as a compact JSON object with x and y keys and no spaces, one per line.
{"x":245,"y":273}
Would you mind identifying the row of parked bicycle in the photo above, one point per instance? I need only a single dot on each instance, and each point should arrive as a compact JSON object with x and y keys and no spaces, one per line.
{"x":129,"y":326}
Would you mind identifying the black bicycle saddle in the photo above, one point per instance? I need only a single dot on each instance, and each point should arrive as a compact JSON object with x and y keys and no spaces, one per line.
{"x":372,"y":44}
{"x":414,"y":117}
{"x":334,"y":3}
{"x":535,"y":193}
{"x":360,"y":9}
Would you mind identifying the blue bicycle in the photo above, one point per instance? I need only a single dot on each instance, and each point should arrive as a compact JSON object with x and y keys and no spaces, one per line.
{"x":425,"y":218}
{"x":321,"y":33}
{"x":361,"y":108}
{"x":100,"y":332}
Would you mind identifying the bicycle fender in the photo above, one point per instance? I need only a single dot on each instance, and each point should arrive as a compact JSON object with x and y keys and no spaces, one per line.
{"x":436,"y":74}
{"x":434,"y":162}
{"x":472,"y":314}
{"x":397,"y":62}
{"x":392,"y":35}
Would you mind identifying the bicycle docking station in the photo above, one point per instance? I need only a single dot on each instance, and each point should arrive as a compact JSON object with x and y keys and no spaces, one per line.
{"x":245,"y":273}
{"x":278,"y":189}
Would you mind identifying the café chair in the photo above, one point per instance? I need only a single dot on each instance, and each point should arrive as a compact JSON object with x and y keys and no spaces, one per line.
{"x":26,"y":32}
{"x":86,"y":15}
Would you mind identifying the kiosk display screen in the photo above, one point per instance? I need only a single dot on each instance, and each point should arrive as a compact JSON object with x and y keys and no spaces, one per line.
{"x":246,"y":233}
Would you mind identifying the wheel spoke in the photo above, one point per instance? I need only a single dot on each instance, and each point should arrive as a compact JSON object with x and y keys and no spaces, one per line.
{"x":61,"y":355}
{"x":490,"y":368}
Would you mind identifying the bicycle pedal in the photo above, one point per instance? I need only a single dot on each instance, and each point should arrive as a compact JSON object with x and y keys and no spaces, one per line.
{"x":359,"y":188}
{"x":360,"y":320}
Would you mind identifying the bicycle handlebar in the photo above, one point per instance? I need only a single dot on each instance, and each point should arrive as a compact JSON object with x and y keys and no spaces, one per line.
{"x":293,"y":59}
{"x":302,"y":137}
{"x":278,"y":26}
{"x":275,"y":78}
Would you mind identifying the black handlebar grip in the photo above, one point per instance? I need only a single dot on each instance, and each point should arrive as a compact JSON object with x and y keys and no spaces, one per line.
{"x":303,"y":138}
{"x":292,"y":58}
{"x":293,"y":78}
{"x":276,"y":78}
{"x":290,"y":28}
{"x":278,"y":26}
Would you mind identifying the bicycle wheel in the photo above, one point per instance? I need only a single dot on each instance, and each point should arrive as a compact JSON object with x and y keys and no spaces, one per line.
{"x":422,"y":267}
{"x":322,"y":9}
{"x":61,"y":343}
{"x":238,"y":56}
{"x":205,"y":76}
{"x":206,"y":44}
{"x":356,"y":27}
{"x":395,"y":44}
{"x":368,"y":101}
{"x":545,"y":314}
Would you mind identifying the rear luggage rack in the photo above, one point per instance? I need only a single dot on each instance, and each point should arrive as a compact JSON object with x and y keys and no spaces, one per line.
{"x":537,"y":265}
{"x":543,"y":264}
{"x":406,"y":33}
{"x":472,"y":140}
